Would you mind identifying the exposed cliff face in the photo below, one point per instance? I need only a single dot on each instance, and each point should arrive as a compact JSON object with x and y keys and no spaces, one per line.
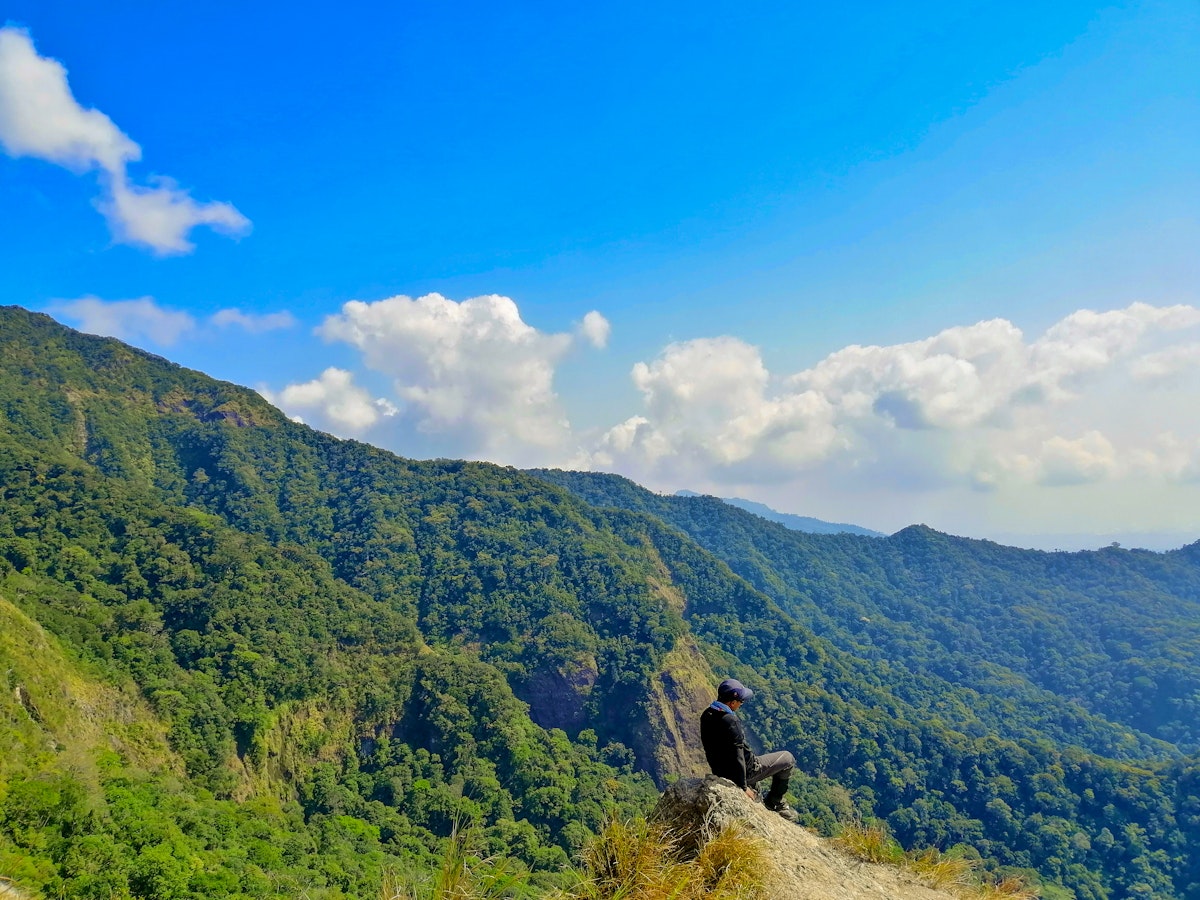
{"x":662,"y":727}
{"x":557,"y":696}
{"x":677,"y":697}
{"x":806,"y":867}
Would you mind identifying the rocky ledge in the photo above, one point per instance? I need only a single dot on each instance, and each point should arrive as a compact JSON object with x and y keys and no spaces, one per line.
{"x":807,"y":867}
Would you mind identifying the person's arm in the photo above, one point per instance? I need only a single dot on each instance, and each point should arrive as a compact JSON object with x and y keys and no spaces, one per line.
{"x":745,"y":757}
{"x":737,"y":743}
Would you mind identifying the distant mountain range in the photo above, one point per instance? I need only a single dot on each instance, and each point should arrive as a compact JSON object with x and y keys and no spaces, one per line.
{"x":797,"y":523}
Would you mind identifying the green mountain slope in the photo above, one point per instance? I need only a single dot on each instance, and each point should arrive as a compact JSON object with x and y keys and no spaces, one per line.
{"x":347,"y":651}
{"x":1114,"y":632}
{"x":1106,"y":828}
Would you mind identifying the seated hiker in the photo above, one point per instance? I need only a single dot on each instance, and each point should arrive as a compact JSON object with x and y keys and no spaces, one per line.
{"x":729,"y":756}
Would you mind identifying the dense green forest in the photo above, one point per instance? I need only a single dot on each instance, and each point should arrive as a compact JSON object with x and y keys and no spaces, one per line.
{"x":1116,"y":631}
{"x":246,"y":659}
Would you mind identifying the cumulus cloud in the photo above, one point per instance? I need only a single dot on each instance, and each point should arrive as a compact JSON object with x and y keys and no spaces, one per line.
{"x":1163,"y":366}
{"x":473,"y":373}
{"x":134,"y":321}
{"x":595,"y":329}
{"x":707,"y":401}
{"x":1089,"y":405}
{"x":40,"y":118}
{"x":334,"y":401}
{"x":979,"y":403}
{"x":1088,"y":342}
{"x":956,"y":379}
{"x":255,"y":323}
{"x":1089,"y":458}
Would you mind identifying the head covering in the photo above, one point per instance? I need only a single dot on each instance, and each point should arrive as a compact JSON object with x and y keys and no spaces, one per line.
{"x":732,"y":689}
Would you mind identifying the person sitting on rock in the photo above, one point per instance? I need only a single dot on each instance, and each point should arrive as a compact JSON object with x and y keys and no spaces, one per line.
{"x":729,"y":756}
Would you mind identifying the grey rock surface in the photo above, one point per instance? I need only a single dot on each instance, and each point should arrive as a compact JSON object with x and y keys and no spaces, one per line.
{"x":806,"y":866}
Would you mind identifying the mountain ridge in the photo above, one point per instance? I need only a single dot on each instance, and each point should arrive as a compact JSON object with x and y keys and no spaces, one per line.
{"x":790,"y":520}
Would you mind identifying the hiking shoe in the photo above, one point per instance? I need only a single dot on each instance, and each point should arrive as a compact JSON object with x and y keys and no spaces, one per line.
{"x":781,"y":807}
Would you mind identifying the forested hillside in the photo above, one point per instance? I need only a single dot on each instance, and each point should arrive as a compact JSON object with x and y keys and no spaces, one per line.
{"x":939,"y":760}
{"x":1114,"y":632}
{"x":283,"y":663}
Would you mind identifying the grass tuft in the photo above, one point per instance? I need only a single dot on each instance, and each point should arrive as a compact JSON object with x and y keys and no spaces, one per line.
{"x":1010,"y":888}
{"x":944,"y":871}
{"x":732,"y":864}
{"x":871,"y":842}
{"x":638,"y":860}
{"x":951,"y":872}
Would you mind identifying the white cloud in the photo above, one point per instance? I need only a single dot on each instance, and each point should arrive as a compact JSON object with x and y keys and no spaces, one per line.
{"x":1089,"y":458}
{"x":162,"y":217}
{"x":956,"y":379}
{"x":253,"y":322}
{"x":128,"y":320}
{"x":1167,"y":365}
{"x":40,"y":118}
{"x":332,"y":400}
{"x":707,"y":402}
{"x":1081,"y":413}
{"x":1087,"y":342}
{"x":595,"y":329}
{"x":472,"y":373}
{"x":979,"y":405}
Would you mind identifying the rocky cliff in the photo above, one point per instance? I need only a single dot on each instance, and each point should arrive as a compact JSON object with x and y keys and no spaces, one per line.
{"x":806,"y":867}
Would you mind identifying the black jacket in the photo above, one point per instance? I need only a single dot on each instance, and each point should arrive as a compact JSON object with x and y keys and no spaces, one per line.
{"x":725,"y":746}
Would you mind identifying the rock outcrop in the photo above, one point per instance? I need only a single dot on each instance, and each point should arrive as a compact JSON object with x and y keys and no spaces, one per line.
{"x":807,"y":867}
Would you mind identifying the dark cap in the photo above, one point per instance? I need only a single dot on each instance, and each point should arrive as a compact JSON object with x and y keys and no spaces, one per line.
{"x":732,"y":689}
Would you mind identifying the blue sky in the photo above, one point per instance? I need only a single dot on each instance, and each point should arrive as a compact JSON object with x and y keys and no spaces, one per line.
{"x":740,"y":250}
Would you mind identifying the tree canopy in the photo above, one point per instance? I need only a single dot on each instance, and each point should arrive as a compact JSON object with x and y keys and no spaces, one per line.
{"x":245,"y":657}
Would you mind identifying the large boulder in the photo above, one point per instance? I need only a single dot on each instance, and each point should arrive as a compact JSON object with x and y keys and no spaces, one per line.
{"x":806,"y":867}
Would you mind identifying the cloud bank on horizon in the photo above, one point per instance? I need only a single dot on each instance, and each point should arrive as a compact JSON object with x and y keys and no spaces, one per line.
{"x":40,"y":118}
{"x":1097,"y":398}
{"x":979,"y":405}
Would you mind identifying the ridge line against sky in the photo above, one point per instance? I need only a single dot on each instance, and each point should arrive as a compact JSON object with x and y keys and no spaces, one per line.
{"x":936,"y":265}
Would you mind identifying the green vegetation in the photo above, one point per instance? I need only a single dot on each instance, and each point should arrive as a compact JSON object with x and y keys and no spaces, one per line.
{"x":244,"y":659}
{"x":947,"y":747}
{"x":1100,"y":647}
{"x":461,"y":875}
{"x":330,"y":638}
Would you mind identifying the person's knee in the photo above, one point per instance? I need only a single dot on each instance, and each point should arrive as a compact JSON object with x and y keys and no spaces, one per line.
{"x":783,"y":760}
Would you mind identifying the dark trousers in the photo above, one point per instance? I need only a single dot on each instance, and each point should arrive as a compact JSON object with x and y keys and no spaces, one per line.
{"x":778,"y":767}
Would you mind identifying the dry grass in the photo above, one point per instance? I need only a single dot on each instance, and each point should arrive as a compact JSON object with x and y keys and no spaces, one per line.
{"x":946,"y":872}
{"x":1007,"y":889}
{"x":732,"y":864}
{"x":642,"y":861}
{"x":870,"y":842}
{"x":949,"y":872}
{"x":639,"y":860}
